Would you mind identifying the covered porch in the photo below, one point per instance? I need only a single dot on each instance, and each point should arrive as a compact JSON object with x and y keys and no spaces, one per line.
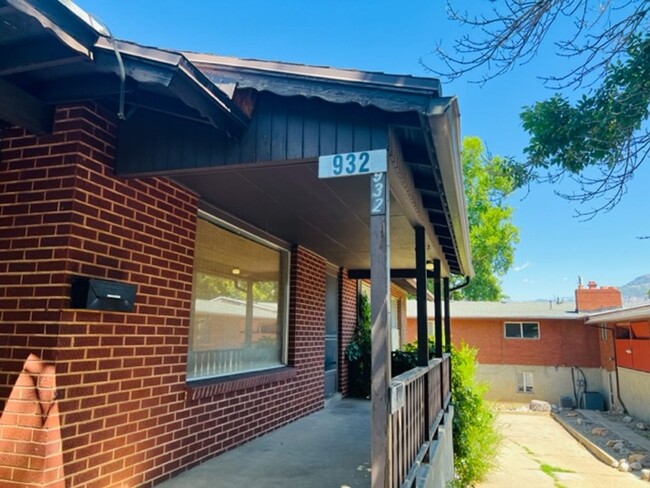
{"x":329,"y":448}
{"x":200,"y":163}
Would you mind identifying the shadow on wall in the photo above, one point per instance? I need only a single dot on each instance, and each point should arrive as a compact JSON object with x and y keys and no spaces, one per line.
{"x":30,"y":431}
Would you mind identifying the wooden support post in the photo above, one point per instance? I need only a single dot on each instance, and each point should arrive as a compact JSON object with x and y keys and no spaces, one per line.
{"x":437,"y":301}
{"x":381,"y":465}
{"x":421,"y":270}
{"x":445,"y":291}
{"x":422,"y":322}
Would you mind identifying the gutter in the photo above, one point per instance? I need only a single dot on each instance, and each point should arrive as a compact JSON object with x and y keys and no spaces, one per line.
{"x":460,"y":285}
{"x":442,"y":121}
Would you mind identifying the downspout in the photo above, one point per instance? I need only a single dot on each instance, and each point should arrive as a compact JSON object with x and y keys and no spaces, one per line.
{"x":102,"y":29}
{"x":618,"y":386}
{"x":448,"y":291}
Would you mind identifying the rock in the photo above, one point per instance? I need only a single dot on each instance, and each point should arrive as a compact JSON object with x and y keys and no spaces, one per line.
{"x":641,"y":426}
{"x":627,"y":419}
{"x":572,"y":414}
{"x":624,"y":451}
{"x":636,"y":466}
{"x":636,"y":458}
{"x":601,"y":431}
{"x":623,"y":466}
{"x":645,"y":474}
{"x":613,"y":442}
{"x":579,"y":421}
{"x":618,"y":446}
{"x":539,"y":406}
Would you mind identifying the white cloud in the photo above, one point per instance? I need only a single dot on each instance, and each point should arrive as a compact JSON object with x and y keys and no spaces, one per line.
{"x":528,"y":281}
{"x":522,"y":266}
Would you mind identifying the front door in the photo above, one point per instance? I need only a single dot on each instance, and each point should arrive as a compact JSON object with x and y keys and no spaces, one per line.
{"x":331,"y":334}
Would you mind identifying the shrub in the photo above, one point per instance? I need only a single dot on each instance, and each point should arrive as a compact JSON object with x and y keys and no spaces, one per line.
{"x":476,"y":438}
{"x":358,"y":353}
{"x":407,"y":358}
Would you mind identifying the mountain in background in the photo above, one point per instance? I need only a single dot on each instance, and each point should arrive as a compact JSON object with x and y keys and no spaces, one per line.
{"x":636,"y":290}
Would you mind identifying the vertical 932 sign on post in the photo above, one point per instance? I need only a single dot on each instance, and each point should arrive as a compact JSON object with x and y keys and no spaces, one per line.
{"x":372,"y":163}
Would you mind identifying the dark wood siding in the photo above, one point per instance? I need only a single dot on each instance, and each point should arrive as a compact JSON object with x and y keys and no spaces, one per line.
{"x":280,"y":129}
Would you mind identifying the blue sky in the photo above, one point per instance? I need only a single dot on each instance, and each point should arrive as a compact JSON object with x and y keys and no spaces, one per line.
{"x":381,"y":35}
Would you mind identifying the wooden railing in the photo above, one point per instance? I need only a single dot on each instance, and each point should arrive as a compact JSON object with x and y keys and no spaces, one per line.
{"x":419,"y":397}
{"x":206,"y":363}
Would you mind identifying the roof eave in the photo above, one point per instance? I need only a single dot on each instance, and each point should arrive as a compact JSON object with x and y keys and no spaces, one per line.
{"x":443,"y":119}
{"x":224,"y":110}
{"x":426,"y":86}
{"x":640,"y":312}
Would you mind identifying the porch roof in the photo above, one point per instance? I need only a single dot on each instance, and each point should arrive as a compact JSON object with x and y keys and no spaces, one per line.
{"x":53,"y":52}
{"x":630,"y":314}
{"x":185,"y":114}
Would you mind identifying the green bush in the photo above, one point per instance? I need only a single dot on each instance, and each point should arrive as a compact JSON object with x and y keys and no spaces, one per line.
{"x":407,"y":358}
{"x":476,"y":438}
{"x":358,"y":353}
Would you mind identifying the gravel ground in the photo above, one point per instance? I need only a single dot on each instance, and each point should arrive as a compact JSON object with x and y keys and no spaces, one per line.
{"x":606,"y":442}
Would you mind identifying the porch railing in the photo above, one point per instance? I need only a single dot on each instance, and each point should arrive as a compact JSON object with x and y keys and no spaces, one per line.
{"x":419,"y":399}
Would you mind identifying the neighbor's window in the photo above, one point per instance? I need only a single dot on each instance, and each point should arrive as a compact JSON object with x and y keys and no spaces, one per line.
{"x":525,"y":382}
{"x":521,"y":330}
{"x":239,"y":310}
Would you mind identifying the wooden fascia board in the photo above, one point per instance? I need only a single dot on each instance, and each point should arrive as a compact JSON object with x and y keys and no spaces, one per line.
{"x":24,"y":110}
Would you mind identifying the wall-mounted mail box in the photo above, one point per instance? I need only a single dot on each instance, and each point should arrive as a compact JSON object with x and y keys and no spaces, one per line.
{"x":96,"y":294}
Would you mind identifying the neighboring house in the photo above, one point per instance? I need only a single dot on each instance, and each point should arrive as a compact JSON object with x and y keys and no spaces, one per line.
{"x":217,"y":274}
{"x":625,"y":342}
{"x":538,"y":349}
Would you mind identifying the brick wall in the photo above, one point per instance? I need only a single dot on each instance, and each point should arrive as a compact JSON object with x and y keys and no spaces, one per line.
{"x":561,"y":343}
{"x":347,"y":324}
{"x":127,"y":416}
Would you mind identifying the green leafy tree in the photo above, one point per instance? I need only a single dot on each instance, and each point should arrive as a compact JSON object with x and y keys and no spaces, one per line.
{"x":211,"y":286}
{"x":594,"y":130}
{"x":488,"y":181}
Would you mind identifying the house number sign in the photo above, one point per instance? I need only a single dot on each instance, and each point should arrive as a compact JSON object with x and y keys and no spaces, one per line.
{"x":378,"y":194}
{"x":360,"y":163}
{"x":351,"y":164}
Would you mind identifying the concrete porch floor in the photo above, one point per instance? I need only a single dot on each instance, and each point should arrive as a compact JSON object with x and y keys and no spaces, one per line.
{"x":327,"y":449}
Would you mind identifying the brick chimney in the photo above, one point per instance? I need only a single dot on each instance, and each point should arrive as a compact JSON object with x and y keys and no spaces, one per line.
{"x":594,"y":299}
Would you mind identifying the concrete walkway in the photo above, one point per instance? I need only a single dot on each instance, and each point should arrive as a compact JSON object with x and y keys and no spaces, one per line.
{"x":328,"y":449}
{"x":537,"y":452}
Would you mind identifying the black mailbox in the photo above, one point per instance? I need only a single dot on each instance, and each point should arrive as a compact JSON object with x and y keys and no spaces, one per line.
{"x":96,"y":294}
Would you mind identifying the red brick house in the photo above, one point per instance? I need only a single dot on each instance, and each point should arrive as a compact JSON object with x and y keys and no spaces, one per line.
{"x":176,"y":279}
{"x":538,"y":349}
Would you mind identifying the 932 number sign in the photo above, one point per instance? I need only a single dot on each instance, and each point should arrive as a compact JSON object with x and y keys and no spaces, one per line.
{"x":350,"y":164}
{"x":378,"y":194}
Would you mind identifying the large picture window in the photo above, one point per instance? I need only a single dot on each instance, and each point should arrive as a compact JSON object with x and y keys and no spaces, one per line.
{"x":239,"y":310}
